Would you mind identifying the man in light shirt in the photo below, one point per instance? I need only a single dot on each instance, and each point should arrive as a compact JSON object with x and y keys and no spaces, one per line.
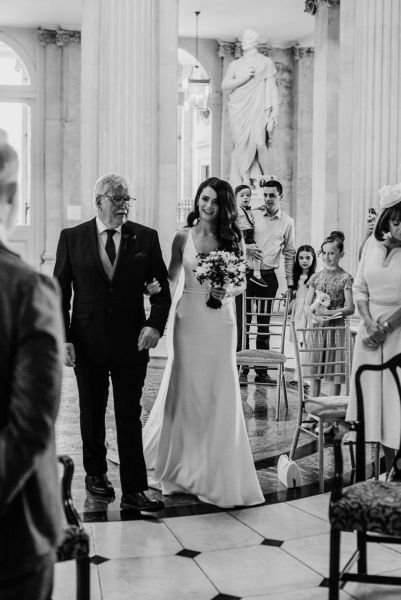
{"x":107,"y":263}
{"x":274,"y":237}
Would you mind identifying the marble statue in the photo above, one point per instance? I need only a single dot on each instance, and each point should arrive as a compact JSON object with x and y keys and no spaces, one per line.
{"x":253,"y":107}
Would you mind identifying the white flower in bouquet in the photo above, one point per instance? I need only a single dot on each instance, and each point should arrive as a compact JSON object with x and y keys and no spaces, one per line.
{"x":219,"y":268}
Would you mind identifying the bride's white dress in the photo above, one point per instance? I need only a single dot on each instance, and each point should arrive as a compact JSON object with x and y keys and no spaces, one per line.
{"x":195,"y":440}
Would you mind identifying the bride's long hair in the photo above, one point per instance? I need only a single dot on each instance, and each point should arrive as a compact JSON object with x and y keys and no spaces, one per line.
{"x":228,"y":232}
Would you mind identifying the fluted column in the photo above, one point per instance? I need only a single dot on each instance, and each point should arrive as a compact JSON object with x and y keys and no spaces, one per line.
{"x":371,"y":139}
{"x":303,"y":123}
{"x":326,"y":81}
{"x":225,"y":52}
{"x":129,"y":103}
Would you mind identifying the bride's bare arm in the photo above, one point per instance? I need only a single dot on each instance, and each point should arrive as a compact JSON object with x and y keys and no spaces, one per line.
{"x":177,"y":251}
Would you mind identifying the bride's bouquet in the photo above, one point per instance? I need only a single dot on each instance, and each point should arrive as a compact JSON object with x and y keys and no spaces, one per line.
{"x":219,"y":268}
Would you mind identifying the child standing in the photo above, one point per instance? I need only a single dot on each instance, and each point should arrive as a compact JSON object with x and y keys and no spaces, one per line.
{"x":246,"y":222}
{"x":337,"y":283}
{"x":303,"y":269}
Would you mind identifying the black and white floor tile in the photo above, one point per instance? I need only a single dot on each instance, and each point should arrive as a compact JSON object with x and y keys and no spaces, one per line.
{"x":192,"y":550}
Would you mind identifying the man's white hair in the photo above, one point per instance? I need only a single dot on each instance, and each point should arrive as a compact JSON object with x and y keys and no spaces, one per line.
{"x":106,"y":182}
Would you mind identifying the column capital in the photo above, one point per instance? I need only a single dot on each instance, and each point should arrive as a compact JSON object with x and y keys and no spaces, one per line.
{"x":297,"y":52}
{"x":263,"y":48}
{"x":225,"y":48}
{"x":59,"y":37}
{"x":312,"y":6}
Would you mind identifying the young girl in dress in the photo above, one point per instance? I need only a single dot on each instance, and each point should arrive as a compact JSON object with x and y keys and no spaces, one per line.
{"x":303,"y":269}
{"x":337,"y":283}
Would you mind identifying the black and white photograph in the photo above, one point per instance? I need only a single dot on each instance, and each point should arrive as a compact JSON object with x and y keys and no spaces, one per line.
{"x":200,"y":299}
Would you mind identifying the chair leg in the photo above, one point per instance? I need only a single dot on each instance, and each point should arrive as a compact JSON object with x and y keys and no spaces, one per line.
{"x":297,"y":431}
{"x":334,"y":564}
{"x":278,"y":393}
{"x":377,"y":460}
{"x":362,"y":559}
{"x":321,"y":456}
{"x":285,"y":392}
{"x":83,"y":578}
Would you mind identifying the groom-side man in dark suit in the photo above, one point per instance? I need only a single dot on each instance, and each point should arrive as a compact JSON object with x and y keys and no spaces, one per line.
{"x":106,"y":263}
{"x":31,"y":362}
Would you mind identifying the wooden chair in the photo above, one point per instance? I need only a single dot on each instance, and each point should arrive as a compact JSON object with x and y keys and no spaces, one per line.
{"x":310,"y":354}
{"x":371,"y":509}
{"x":75,"y":542}
{"x":276,"y":310}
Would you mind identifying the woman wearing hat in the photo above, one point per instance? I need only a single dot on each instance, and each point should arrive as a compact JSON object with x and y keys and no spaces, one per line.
{"x":377,"y":293}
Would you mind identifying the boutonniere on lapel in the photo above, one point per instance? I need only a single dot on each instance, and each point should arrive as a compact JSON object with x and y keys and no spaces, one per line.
{"x":128,"y":236}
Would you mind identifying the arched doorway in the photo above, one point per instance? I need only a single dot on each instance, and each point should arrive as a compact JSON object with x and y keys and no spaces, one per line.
{"x":17,"y":106}
{"x":194,"y":140}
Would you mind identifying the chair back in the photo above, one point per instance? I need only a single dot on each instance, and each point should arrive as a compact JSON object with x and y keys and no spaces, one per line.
{"x":392,"y":365}
{"x":275,"y":309}
{"x":313,"y":349}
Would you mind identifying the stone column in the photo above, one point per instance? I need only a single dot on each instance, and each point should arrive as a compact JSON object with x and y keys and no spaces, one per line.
{"x":303,"y":123}
{"x":129,"y":104}
{"x":225,"y":52}
{"x":214,"y":104}
{"x":61,"y":185}
{"x":325,"y":120}
{"x":370,"y":124}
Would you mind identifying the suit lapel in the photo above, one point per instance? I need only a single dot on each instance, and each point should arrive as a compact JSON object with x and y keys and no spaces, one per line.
{"x":92,"y":238}
{"x":127,"y":245}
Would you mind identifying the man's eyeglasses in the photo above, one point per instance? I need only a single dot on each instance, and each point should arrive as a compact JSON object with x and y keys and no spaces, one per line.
{"x":118,"y":200}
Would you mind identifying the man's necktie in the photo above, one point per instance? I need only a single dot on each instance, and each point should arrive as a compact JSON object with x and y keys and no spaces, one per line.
{"x":110,"y":246}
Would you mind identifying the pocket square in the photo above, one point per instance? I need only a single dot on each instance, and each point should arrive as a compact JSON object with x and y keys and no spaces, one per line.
{"x":139,"y":256}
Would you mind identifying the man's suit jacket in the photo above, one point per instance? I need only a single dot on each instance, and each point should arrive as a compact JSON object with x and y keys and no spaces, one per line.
{"x":107,"y":316}
{"x":31,"y":350}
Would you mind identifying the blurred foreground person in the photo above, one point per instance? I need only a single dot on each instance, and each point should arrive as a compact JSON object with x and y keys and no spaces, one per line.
{"x":31,"y":343}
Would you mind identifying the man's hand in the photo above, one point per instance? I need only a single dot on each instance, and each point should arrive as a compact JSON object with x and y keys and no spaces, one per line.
{"x":148,"y":338}
{"x":153,"y":287}
{"x":253,"y":251}
{"x":69,"y":359}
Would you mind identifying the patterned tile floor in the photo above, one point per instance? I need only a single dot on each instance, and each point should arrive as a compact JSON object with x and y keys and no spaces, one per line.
{"x":278,"y":551}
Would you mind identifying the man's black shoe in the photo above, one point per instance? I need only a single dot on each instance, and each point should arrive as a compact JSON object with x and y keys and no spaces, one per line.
{"x":99,"y":485}
{"x":139,"y":501}
{"x":265,"y":378}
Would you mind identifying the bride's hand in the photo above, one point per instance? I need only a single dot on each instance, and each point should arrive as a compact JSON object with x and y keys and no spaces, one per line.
{"x":218,"y":292}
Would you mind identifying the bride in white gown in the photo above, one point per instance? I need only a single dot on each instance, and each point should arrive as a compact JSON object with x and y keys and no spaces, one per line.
{"x":195,"y":440}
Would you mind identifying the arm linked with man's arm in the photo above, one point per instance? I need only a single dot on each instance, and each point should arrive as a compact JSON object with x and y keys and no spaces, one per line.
{"x":35,"y":385}
{"x":161,"y":302}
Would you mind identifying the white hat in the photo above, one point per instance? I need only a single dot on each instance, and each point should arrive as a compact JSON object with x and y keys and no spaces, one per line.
{"x":389,"y":195}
